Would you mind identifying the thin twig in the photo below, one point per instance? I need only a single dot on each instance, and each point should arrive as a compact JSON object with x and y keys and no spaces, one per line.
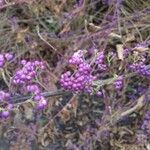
{"x":18,"y":99}
{"x":4,"y":77}
{"x":40,"y":36}
{"x":140,"y":103}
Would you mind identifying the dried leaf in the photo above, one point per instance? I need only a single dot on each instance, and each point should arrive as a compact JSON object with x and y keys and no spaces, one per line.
{"x":114,"y":35}
{"x":65,"y":29}
{"x":93,"y":27}
{"x":130,"y":38}
{"x":141,"y":49}
{"x":65,"y":115}
{"x":21,"y":35}
{"x":120,"y":50}
{"x":46,"y":135}
{"x":28,"y":111}
{"x":74,"y":104}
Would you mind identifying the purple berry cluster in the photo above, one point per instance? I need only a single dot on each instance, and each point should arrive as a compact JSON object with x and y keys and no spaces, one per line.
{"x":100,"y":58}
{"x":146,"y":124}
{"x":141,"y":69}
{"x":4,"y":58}
{"x":100,"y":61}
{"x":126,"y":52}
{"x":37,"y":96}
{"x":119,"y":83}
{"x":28,"y":72}
{"x":33,"y":88}
{"x":77,"y":58}
{"x":81,"y":79}
{"x":26,"y":76}
{"x":4,"y":97}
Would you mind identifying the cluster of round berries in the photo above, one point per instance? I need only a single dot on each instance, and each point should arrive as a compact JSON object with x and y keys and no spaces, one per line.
{"x":126,"y":52}
{"x":77,"y":58}
{"x":79,"y":80}
{"x":4,"y":97}
{"x":4,"y":58}
{"x":100,"y":61}
{"x":119,"y":83}
{"x":141,"y":69}
{"x":28,"y":72}
{"x":100,"y":58}
{"x":26,"y":76}
{"x":146,"y":124}
{"x":37,"y":96}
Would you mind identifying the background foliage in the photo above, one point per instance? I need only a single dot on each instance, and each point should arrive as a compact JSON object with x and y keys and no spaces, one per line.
{"x":51,"y":31}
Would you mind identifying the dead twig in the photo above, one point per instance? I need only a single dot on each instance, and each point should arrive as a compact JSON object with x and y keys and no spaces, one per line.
{"x":19,"y":99}
{"x":40,"y":36}
{"x":139,"y":105}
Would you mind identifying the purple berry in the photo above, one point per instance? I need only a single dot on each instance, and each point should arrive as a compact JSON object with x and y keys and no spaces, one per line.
{"x":99,"y":93}
{"x":119,"y":83}
{"x":10,"y":107}
{"x":8,"y":56}
{"x":5,"y":113}
{"x":1,"y":58}
{"x":146,"y":124}
{"x":23,"y":62}
{"x":41,"y":104}
{"x":37,"y":97}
